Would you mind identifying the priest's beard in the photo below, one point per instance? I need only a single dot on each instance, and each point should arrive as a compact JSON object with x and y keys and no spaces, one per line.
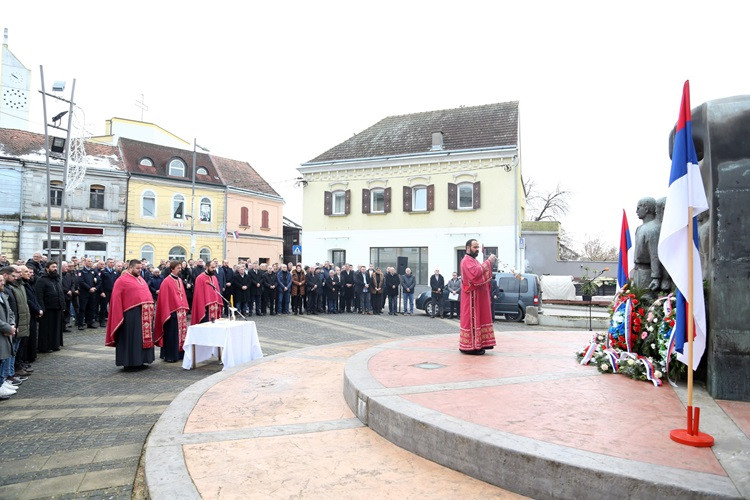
{"x":473,"y":254}
{"x":52,"y":274}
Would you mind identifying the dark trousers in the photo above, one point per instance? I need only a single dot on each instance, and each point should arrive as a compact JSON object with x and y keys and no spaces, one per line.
{"x":332,"y":305}
{"x":269,"y":300}
{"x":104,"y":307}
{"x":87,"y":302}
{"x":393,"y":304}
{"x":227,"y":294}
{"x":454,"y":309}
{"x":257,"y":301}
{"x":437,"y":304}
{"x":312,"y":302}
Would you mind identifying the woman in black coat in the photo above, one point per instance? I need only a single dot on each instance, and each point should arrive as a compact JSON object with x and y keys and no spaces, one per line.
{"x":51,"y":298}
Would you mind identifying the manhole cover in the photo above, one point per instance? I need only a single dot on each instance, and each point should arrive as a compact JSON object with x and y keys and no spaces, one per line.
{"x":429,"y":366}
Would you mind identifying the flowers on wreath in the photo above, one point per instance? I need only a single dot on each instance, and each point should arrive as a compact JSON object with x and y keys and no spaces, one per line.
{"x":627,"y":323}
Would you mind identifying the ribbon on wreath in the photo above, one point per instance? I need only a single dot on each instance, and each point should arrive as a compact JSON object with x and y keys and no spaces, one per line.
{"x":589,"y":353}
{"x":627,"y":322}
{"x":612,"y":355}
{"x":670,"y":350}
{"x":649,"y":371}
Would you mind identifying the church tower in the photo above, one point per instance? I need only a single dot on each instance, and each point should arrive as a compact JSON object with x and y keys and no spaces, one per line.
{"x":15,"y":85}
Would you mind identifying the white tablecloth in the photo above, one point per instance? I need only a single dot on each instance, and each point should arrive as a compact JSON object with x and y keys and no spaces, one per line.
{"x":238,"y":341}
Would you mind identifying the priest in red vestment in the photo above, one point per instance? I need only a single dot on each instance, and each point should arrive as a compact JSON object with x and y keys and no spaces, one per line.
{"x":131,"y":318}
{"x":170,"y":326}
{"x":207,"y":300}
{"x":477,"y":333}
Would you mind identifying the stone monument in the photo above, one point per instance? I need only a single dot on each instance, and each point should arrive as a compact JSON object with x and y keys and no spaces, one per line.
{"x":721,"y":132}
{"x":646,"y":272}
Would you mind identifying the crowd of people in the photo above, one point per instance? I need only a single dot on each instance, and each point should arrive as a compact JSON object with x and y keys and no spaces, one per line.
{"x":142,"y":305}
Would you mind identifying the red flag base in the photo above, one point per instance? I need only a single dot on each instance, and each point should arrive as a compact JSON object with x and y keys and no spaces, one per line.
{"x":692,"y":436}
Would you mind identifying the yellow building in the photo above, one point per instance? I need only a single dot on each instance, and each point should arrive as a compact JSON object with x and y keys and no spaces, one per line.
{"x":412,"y":189}
{"x":168,"y":215}
{"x":254,"y":214}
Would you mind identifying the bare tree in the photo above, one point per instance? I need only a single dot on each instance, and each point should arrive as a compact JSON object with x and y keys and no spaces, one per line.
{"x":544,"y":205}
{"x":597,"y":250}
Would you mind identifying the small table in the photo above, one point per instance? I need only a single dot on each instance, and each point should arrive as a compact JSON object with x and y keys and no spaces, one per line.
{"x":234,"y":342}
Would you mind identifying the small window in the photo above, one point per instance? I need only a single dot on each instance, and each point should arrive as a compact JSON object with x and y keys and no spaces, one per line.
{"x":147,"y":252}
{"x":377,"y":201}
{"x":148,"y":205}
{"x":96,"y":197}
{"x":264,"y":220}
{"x":339,"y":203}
{"x":202,"y":171}
{"x":177,"y":167}
{"x":419,"y":199}
{"x":205,"y":210}
{"x":244,"y":216}
{"x":55,"y":193}
{"x":177,"y":253}
{"x":146,"y":162}
{"x":178,"y":206}
{"x":465,"y":195}
{"x":205,"y":254}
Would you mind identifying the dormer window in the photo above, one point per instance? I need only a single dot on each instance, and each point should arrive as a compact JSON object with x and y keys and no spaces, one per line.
{"x":146,"y":162}
{"x":202,"y":171}
{"x":176,"y":167}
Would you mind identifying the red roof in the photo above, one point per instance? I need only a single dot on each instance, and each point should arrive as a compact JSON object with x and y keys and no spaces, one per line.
{"x":133,"y":152}
{"x":21,"y":143}
{"x":240,"y":174}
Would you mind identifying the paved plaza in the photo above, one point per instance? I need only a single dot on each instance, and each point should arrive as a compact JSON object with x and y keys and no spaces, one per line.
{"x":77,"y":426}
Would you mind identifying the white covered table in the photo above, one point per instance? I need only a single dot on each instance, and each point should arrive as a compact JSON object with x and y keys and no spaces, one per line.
{"x":234,"y":342}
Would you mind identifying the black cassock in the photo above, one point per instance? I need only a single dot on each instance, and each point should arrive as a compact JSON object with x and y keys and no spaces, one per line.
{"x":170,"y":350}
{"x":129,"y":349}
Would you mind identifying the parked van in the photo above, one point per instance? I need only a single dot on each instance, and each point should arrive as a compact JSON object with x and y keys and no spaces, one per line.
{"x":515,"y":293}
{"x":512,"y":294}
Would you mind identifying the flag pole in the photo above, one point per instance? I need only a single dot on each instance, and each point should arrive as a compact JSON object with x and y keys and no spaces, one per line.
{"x":690,"y":436}
{"x":689,"y":311}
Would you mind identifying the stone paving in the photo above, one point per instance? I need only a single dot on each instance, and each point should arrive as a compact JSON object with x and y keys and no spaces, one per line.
{"x":76,"y":428}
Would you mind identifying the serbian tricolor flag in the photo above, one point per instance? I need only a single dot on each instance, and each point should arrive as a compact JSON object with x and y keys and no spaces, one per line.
{"x":625,"y":244}
{"x":236,"y":235}
{"x":685,"y":190}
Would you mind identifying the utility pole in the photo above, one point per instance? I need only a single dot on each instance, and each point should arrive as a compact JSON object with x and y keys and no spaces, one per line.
{"x":192,"y":198}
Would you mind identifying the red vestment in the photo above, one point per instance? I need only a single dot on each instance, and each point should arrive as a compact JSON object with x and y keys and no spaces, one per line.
{"x":476,"y":314}
{"x":206,"y":295}
{"x":128,"y":292}
{"x":172,"y":298}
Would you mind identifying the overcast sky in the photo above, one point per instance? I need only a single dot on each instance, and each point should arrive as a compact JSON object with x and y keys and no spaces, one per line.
{"x":278,"y":83}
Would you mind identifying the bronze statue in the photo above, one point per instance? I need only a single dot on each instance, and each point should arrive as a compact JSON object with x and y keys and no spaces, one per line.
{"x":666,"y":281}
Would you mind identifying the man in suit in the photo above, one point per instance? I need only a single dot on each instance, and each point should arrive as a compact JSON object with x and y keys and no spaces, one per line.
{"x":256,"y":290}
{"x":226,"y":274}
{"x":437,"y":284}
{"x":332,"y":285}
{"x":107,"y":275}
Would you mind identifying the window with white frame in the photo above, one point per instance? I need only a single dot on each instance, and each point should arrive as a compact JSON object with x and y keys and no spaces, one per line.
{"x":419,"y":199}
{"x":96,"y":196}
{"x":205,"y":254}
{"x":465,"y":195}
{"x":178,"y":207}
{"x":177,"y":253}
{"x":205,"y":210}
{"x":55,"y":193}
{"x":148,"y":205}
{"x":147,"y":252}
{"x":339,"y":203}
{"x":177,"y":167}
{"x":377,"y":201}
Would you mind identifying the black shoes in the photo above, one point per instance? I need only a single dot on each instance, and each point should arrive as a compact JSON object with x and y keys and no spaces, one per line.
{"x":477,"y":352}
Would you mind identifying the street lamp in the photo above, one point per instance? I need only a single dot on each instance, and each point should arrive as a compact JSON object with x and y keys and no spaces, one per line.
{"x":192,"y":198}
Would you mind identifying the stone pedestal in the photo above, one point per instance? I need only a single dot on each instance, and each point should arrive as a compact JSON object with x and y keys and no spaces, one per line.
{"x":532,"y":315}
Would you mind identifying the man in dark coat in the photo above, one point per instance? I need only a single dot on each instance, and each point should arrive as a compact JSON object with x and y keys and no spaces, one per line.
{"x":437,"y":284}
{"x":36,"y":266}
{"x":241,"y":290}
{"x":312,"y":285}
{"x":89,"y":288}
{"x":347,"y":287}
{"x":256,"y":290}
{"x":107,"y":275}
{"x":332,"y":289}
{"x":68,"y":276}
{"x":28,"y":354}
{"x":227,"y":275}
{"x":50,"y":294}
{"x":392,"y":283}
{"x":269,"y":289}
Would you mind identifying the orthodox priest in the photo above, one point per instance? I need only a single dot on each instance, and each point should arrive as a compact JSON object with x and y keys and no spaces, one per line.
{"x":170,"y":326}
{"x":207,"y":300}
{"x":131,"y":319}
{"x":477,"y":333}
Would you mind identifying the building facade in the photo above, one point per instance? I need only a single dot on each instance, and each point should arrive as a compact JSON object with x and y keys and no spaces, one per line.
{"x":254,"y":213}
{"x":15,"y":88}
{"x":412,"y":189}
{"x":94,"y":210}
{"x":168,"y":215}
